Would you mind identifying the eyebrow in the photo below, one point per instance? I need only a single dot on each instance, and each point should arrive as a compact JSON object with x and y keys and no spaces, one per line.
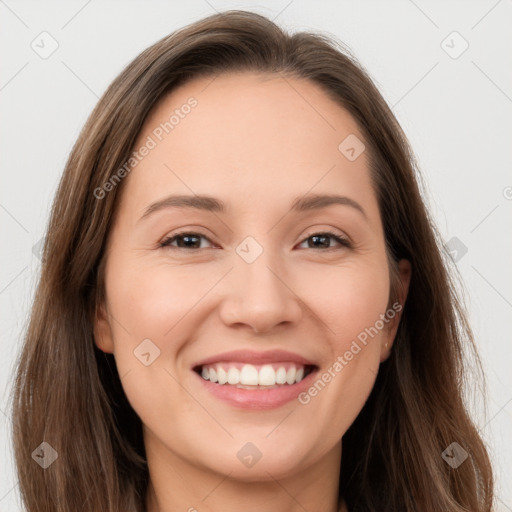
{"x":211,"y":204}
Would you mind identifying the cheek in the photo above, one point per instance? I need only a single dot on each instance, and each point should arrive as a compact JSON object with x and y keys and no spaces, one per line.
{"x":148,"y":309}
{"x":152,"y":301}
{"x":156,"y":309}
{"x":350,"y":308}
{"x":348,"y":299}
{"x":153,"y":306}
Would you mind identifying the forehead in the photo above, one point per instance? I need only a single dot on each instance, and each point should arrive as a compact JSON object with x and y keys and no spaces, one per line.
{"x":276,"y":111}
{"x":247,"y":135}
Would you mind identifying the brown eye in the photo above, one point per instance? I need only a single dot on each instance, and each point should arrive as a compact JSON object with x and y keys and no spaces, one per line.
{"x":185,"y":240}
{"x":191,"y":240}
{"x":323,"y":240}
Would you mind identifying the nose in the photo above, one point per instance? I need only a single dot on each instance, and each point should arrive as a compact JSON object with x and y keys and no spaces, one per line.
{"x":259,"y":295}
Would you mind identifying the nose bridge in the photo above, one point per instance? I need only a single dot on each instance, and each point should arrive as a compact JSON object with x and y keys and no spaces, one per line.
{"x":257,"y":292}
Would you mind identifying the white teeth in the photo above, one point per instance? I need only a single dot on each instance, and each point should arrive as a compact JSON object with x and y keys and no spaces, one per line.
{"x":222,"y":375}
{"x":233,"y":376}
{"x":251,"y":375}
{"x":281,"y":375}
{"x":290,"y":375}
{"x":267,"y":376}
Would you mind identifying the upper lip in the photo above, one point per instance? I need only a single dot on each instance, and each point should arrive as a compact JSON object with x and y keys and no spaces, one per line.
{"x":253,"y":357}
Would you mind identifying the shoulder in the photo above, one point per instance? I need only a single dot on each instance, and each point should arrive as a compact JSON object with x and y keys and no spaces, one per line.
{"x":343,"y":506}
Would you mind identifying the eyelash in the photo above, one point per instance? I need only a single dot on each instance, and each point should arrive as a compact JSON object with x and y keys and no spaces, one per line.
{"x":344,"y":242}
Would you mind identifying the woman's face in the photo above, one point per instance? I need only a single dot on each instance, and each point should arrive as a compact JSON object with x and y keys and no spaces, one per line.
{"x":252,"y":288}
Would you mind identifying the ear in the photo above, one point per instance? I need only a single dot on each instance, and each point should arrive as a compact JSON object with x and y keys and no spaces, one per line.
{"x":102,"y":331}
{"x":389,"y":333}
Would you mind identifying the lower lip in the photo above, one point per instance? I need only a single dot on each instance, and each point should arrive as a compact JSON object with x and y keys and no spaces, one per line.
{"x":258,"y":399}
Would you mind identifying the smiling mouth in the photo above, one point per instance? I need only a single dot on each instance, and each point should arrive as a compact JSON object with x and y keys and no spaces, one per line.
{"x":249,"y":376}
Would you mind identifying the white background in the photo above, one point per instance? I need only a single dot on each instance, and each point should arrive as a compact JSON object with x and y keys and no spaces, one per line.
{"x":456,"y":113}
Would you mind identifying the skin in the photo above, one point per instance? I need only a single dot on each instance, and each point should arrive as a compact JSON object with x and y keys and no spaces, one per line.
{"x":255,"y":142}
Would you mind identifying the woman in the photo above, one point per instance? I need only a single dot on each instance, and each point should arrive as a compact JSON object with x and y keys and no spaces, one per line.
{"x":243,"y":301}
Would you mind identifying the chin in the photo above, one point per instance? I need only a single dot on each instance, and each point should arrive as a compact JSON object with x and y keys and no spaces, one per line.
{"x":252,"y":461}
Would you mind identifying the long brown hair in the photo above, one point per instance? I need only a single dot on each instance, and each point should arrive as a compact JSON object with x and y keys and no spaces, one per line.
{"x":69,"y":394}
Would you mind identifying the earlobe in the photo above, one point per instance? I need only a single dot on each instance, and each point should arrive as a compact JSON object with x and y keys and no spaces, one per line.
{"x":102,"y":331}
{"x":405,"y":272}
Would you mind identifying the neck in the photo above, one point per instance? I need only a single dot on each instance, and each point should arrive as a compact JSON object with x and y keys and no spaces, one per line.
{"x":176,"y":484}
